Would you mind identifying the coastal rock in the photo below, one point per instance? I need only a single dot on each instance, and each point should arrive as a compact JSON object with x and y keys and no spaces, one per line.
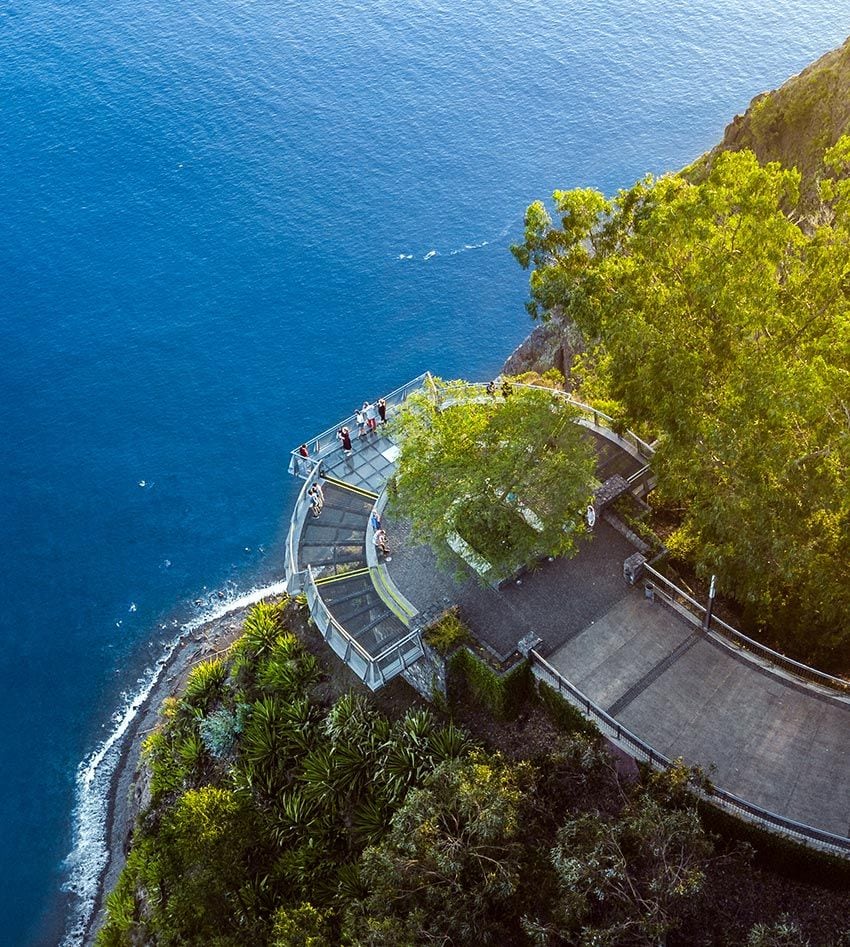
{"x":552,"y":344}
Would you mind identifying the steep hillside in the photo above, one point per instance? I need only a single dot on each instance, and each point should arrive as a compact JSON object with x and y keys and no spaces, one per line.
{"x":797,"y":122}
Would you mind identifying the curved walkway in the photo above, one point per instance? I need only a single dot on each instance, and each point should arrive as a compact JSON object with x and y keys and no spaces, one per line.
{"x":775,"y":740}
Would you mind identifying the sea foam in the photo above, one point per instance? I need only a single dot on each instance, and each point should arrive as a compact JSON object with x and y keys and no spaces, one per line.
{"x":89,"y":857}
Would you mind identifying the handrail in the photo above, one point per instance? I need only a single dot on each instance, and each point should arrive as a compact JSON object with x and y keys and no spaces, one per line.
{"x":657,"y":760}
{"x":644,"y":450}
{"x":298,"y":512}
{"x":321,"y":443}
{"x":326,"y":612}
{"x":740,"y":640}
{"x":394,"y":647}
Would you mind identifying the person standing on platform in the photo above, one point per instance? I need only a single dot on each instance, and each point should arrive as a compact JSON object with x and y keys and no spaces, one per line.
{"x":344,"y":437}
{"x":303,"y":466}
{"x":375,"y":520}
{"x":371,"y":416}
{"x":360,"y":418}
{"x":382,"y":410}
{"x":382,"y":544}
{"x":316,"y":499}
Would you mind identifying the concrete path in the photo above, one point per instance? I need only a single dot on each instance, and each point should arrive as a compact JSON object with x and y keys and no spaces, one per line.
{"x":769,"y":739}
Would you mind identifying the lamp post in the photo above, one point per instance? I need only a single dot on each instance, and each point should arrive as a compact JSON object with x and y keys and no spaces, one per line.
{"x":707,"y":619}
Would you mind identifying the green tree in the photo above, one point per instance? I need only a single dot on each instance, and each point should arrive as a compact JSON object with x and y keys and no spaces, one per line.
{"x":626,"y":880}
{"x":448,"y":868}
{"x":720,"y":325}
{"x":512,"y":475}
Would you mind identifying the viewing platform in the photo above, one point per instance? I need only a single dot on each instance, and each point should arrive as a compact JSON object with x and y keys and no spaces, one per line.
{"x":361,"y":612}
{"x":661,"y":677}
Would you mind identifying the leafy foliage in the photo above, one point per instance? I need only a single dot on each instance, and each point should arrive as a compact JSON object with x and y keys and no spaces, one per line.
{"x":501,"y":694}
{"x":718,"y":323}
{"x":473,"y":463}
{"x":447,"y":633}
{"x":449,"y":864}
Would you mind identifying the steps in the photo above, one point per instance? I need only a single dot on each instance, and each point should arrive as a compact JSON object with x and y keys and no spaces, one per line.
{"x":334,"y":544}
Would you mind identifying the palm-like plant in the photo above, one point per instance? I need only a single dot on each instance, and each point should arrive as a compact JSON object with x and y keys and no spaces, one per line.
{"x":263,"y":626}
{"x":205,"y":683}
{"x":449,"y":743}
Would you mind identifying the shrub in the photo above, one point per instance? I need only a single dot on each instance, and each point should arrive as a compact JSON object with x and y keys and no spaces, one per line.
{"x":263,"y":626}
{"x":563,"y":714}
{"x":447,"y":633}
{"x":501,"y":694}
{"x":205,"y":683}
{"x":220,"y":729}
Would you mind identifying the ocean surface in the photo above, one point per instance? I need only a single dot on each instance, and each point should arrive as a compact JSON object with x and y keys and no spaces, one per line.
{"x":222,"y":226}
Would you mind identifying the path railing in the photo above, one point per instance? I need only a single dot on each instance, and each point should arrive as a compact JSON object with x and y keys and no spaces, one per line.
{"x":641,"y":750}
{"x":673,"y":595}
{"x":375,"y":670}
{"x":295,"y":575}
{"x":628,"y":440}
{"x":326,"y":442}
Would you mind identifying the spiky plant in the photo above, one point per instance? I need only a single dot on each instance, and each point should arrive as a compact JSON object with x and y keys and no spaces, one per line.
{"x":205,"y":683}
{"x":448,"y":743}
{"x":263,"y":626}
{"x":191,"y":751}
{"x":370,"y":820}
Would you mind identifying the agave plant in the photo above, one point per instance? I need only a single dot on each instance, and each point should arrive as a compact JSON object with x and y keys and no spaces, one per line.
{"x":350,"y":885}
{"x":417,"y":727}
{"x":205,"y":683}
{"x":293,"y":815}
{"x":448,"y":743}
{"x":317,"y":777}
{"x":264,"y":744}
{"x":370,"y":820}
{"x":350,"y":720}
{"x":262,"y":627}
{"x":191,"y":751}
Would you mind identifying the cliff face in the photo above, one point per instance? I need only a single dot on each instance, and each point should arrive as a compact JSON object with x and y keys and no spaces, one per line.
{"x":794,"y":125}
{"x":797,"y":122}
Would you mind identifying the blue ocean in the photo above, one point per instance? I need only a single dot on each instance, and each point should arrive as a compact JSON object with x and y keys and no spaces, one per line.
{"x":225,"y":224}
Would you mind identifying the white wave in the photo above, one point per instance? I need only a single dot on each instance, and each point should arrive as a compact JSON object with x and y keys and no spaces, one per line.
{"x":429,"y":254}
{"x":405,"y":256}
{"x":88,"y":859}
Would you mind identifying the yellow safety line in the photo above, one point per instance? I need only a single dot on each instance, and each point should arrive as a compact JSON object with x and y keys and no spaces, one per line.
{"x":352,"y":488}
{"x":327,"y":579}
{"x":399,"y":608}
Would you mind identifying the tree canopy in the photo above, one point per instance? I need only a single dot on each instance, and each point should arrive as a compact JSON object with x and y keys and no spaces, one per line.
{"x":720,"y":325}
{"x":511,"y":474}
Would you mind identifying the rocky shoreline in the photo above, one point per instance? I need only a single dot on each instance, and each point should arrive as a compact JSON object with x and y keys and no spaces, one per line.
{"x":128,"y":790}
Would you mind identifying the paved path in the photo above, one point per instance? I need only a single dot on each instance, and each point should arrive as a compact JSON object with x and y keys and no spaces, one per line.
{"x":768,"y":739}
{"x":771,"y":740}
{"x":557,"y":601}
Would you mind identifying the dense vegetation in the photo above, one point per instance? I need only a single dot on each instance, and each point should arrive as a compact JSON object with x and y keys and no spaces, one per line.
{"x":795,"y":124}
{"x":280,"y":815}
{"x":488,"y":466}
{"x":718,"y":324}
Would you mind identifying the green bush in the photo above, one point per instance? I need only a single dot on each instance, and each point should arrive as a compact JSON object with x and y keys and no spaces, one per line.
{"x":447,"y":633}
{"x":220,"y":729}
{"x":502,"y":694}
{"x":205,"y":683}
{"x":563,"y":714}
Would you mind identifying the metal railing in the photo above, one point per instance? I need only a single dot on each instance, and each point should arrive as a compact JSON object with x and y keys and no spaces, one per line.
{"x":374,"y":670}
{"x":326,"y":442}
{"x":729,"y":635}
{"x":641,"y":750}
{"x":628,"y":440}
{"x":294,"y":575}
